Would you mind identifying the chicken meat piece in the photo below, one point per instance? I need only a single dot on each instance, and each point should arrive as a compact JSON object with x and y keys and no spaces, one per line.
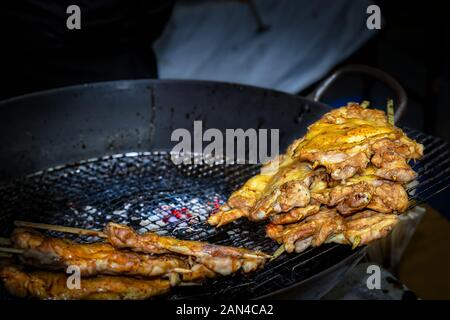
{"x":313,"y":231}
{"x":220,"y":259}
{"x":199,"y":272}
{"x":93,"y":258}
{"x":345,"y":140}
{"x":53,"y":286}
{"x":347,"y":198}
{"x":391,"y":159}
{"x":365,"y":227}
{"x":288,"y":189}
{"x":365,"y":190}
{"x":270,"y":192}
{"x":295,"y":215}
{"x":328,"y":226}
{"x":241,"y":201}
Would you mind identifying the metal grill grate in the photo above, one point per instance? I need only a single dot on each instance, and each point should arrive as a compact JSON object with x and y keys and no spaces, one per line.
{"x":433,"y":169}
{"x":148,"y":192}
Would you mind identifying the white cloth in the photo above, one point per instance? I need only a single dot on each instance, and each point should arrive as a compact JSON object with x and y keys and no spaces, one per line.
{"x":219,"y":41}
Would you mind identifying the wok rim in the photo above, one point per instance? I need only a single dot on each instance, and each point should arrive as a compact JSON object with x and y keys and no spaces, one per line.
{"x":125,"y":84}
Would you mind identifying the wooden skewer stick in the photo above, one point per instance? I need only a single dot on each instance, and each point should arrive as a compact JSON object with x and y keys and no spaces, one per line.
{"x":255,"y":256}
{"x":99,"y":234}
{"x":52,"y":227}
{"x":5,"y":242}
{"x":11,"y":250}
{"x":5,"y":255}
{"x":278,"y":253}
{"x":189,"y":284}
{"x":390,"y":111}
{"x":365,"y":104}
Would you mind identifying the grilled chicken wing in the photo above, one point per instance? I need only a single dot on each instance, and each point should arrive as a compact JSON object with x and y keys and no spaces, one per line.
{"x":92,"y":259}
{"x":345,"y":140}
{"x":220,"y":259}
{"x":53,"y":286}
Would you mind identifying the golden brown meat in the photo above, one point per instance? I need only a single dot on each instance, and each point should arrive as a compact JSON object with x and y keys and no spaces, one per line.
{"x":345,"y":140}
{"x":347,"y":198}
{"x":365,"y":190}
{"x":313,"y":231}
{"x":328,"y":226}
{"x":92,"y":259}
{"x":391,"y":158}
{"x":53,"y":286}
{"x":241,"y":201}
{"x":365,"y":227}
{"x":220,"y":259}
{"x":286,"y":187}
{"x":295,"y":215}
{"x":198,"y":273}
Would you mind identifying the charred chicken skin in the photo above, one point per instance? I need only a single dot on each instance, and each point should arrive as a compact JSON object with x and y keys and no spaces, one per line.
{"x":53,"y":286}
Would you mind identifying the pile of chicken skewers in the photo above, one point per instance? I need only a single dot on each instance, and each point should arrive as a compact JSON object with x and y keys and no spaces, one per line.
{"x":343,"y":182}
{"x":127,"y":266}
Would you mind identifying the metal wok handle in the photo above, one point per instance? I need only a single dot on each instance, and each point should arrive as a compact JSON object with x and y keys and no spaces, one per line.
{"x":382,"y":76}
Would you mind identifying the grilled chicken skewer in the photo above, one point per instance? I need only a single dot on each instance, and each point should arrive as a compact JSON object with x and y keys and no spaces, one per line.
{"x":328,"y":226}
{"x":364,"y":190}
{"x":53,"y":286}
{"x":365,"y":227}
{"x":220,"y":259}
{"x":295,"y":215}
{"x":267,"y":194}
{"x":313,"y":231}
{"x":92,"y":259}
{"x":223,"y":260}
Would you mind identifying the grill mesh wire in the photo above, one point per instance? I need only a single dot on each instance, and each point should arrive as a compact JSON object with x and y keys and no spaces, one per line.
{"x":148,"y":192}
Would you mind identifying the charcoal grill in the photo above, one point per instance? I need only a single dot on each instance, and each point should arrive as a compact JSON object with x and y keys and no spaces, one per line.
{"x":123,"y":181}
